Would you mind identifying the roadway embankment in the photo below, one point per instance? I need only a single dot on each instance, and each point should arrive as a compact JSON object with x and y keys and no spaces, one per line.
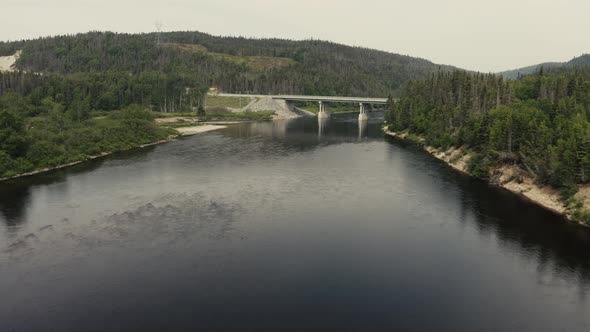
{"x":253,"y":104}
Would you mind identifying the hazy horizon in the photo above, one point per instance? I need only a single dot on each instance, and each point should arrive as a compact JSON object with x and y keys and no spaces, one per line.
{"x":473,"y":35}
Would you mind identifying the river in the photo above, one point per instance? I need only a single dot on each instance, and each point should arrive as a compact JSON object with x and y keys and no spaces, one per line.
{"x":284,"y":225}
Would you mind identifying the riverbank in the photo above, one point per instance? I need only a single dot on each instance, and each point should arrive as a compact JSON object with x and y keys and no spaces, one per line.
{"x":185,"y":131}
{"x":101,"y":155}
{"x":508,"y":177}
{"x":194,"y":130}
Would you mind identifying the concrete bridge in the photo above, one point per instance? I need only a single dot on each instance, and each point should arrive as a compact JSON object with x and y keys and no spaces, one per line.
{"x":322,"y":100}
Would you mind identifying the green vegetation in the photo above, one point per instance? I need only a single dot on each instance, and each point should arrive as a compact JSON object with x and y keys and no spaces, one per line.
{"x":218,"y":114}
{"x":539,"y":122}
{"x":103,"y":92}
{"x":54,"y":119}
{"x":259,"y":66}
{"x":160,"y":115}
{"x":580,"y":61}
{"x":237,"y":116}
{"x":258,"y":63}
{"x":55,"y":136}
{"x":76,"y":96}
{"x":180,"y":124}
{"x":225,"y":102}
{"x":330,"y":107}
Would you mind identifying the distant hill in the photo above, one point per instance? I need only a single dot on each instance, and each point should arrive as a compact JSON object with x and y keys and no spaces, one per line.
{"x":583,"y":60}
{"x":233,"y":64}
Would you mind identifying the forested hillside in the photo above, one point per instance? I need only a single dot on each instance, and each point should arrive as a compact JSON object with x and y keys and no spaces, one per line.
{"x":47,"y":120}
{"x":56,"y":136}
{"x":539,"y":122}
{"x":581,"y":61}
{"x":234,"y":64}
{"x":73,"y":97}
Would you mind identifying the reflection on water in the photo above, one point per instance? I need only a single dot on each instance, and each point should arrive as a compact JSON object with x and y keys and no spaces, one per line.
{"x":363,"y":128}
{"x":16,"y":195}
{"x":13,"y":205}
{"x":322,"y":125}
{"x":512,"y":221}
{"x":261,"y":226}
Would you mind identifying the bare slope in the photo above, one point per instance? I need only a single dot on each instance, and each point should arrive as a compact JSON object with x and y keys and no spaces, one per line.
{"x":7,"y":63}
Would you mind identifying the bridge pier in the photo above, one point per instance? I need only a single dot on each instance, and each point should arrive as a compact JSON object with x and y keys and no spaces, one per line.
{"x":322,"y":114}
{"x":363,"y":115}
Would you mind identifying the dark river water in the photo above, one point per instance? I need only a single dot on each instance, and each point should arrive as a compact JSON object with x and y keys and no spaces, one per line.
{"x":291,"y":225}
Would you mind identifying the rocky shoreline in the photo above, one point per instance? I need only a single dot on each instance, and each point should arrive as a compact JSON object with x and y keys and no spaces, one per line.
{"x":508,"y":177}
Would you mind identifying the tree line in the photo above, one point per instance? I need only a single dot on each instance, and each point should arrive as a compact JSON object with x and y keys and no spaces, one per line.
{"x":317,"y":67}
{"x":539,"y":122}
{"x":106,"y":91}
{"x":53,"y":119}
{"x":57,"y":137}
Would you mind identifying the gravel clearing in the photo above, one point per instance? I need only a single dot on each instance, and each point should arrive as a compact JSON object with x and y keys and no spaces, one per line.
{"x":281,"y":109}
{"x":7,"y":62}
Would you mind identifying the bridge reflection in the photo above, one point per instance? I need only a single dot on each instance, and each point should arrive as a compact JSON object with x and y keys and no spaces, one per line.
{"x":323,"y":123}
{"x":338,"y":128}
{"x":363,"y":124}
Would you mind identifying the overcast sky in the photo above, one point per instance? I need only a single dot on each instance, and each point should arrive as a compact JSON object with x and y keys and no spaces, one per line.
{"x":490,"y":35}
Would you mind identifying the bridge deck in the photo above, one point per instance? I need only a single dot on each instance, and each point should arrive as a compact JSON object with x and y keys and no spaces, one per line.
{"x":333,"y":99}
{"x":329,"y":99}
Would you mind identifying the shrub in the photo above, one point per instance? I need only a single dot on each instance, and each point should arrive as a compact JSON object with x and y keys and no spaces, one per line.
{"x":479,"y":166}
